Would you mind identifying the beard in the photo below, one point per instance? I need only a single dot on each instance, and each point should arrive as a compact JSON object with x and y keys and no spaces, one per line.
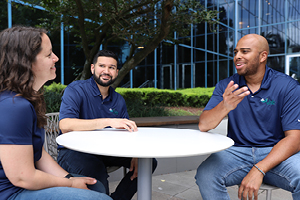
{"x":251,"y":69}
{"x":104,"y":84}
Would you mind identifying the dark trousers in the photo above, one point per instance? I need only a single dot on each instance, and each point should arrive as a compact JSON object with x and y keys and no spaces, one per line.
{"x":95,"y":166}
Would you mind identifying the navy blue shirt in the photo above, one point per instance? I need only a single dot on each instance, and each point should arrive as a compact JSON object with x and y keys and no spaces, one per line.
{"x":18,"y":126}
{"x":260,"y":119}
{"x":82,"y":99}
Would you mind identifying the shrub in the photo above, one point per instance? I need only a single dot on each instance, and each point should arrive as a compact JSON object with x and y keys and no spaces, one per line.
{"x":193,"y":97}
{"x":138,"y":109}
{"x":53,"y":94}
{"x":55,"y":87}
{"x":53,"y":101}
{"x":141,"y":102}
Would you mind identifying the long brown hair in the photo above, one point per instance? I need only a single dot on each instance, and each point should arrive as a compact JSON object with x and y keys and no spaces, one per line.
{"x":19,"y":47}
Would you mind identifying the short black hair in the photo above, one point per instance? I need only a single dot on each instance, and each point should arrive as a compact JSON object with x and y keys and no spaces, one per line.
{"x":106,"y":53}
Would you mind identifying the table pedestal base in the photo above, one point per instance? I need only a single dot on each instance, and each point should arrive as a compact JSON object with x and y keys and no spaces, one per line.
{"x":144,"y":191}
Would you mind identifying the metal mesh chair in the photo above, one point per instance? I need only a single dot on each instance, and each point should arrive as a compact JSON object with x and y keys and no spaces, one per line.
{"x":52,"y":131}
{"x":268,"y":189}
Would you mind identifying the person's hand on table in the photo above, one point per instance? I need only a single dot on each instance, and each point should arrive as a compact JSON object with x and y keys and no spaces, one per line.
{"x":250,"y":185}
{"x":82,"y":182}
{"x":124,"y":124}
{"x":233,"y":96}
{"x":134,"y":167}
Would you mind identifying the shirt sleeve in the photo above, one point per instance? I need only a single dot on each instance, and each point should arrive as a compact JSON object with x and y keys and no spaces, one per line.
{"x":17,"y":117}
{"x":124,"y":109}
{"x":216,"y":98}
{"x":70,"y":104}
{"x":291,"y":109}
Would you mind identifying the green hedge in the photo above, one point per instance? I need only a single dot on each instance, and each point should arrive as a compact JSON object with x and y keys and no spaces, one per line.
{"x":138,"y":98}
{"x":193,"y":97}
{"x":53,"y":94}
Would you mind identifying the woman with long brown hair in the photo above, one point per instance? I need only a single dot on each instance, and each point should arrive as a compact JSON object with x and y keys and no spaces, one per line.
{"x":27,"y":171}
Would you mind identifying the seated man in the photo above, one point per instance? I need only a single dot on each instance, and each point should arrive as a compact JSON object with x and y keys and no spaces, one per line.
{"x":92,"y":104}
{"x":263,"y":109}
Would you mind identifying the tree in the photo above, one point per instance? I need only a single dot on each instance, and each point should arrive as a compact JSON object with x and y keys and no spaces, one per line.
{"x":140,"y":23}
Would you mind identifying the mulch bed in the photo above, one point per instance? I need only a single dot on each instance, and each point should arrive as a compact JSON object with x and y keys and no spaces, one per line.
{"x":193,"y":110}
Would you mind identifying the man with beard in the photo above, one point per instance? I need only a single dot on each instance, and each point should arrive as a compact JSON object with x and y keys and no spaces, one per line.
{"x":92,"y":104}
{"x":263,"y":112}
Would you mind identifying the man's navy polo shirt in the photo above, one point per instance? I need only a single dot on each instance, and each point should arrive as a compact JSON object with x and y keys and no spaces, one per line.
{"x":82,"y":99}
{"x":260,"y":119}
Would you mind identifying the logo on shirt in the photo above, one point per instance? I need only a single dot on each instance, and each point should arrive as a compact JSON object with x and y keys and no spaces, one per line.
{"x":113,"y":111}
{"x":268,"y":101}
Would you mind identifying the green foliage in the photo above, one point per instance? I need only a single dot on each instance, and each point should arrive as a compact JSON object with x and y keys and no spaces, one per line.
{"x":142,"y":102}
{"x":138,"y":23}
{"x":193,"y":97}
{"x":55,"y":87}
{"x":136,"y":108}
{"x":53,"y":94}
{"x":53,"y":101}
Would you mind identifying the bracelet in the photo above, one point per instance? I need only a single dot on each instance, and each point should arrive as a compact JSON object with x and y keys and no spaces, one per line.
{"x":68,"y":176}
{"x":260,"y":170}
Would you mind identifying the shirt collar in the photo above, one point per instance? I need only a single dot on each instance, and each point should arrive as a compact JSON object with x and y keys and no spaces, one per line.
{"x":266,"y":82}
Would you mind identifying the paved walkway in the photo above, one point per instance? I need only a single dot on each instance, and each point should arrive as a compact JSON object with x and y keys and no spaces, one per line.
{"x":182,"y":186}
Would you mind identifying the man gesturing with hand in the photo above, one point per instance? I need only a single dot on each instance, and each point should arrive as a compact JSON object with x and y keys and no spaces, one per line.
{"x":263,"y":109}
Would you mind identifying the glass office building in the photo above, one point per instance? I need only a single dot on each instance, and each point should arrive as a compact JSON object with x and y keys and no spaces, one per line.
{"x":204,"y":57}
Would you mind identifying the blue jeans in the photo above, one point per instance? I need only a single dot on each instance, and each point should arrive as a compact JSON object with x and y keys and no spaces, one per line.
{"x":229,"y":167}
{"x":97,"y":191}
{"x":95,"y":166}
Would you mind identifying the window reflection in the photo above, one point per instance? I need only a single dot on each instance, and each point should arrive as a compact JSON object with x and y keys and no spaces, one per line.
{"x":248,"y":13}
{"x":277,"y":63}
{"x":273,"y":11}
{"x":293,"y":39}
{"x":293,"y":10}
{"x":294,"y":63}
{"x":275,"y":36}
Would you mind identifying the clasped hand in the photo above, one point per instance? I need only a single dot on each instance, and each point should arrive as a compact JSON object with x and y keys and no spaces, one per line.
{"x":82,"y":182}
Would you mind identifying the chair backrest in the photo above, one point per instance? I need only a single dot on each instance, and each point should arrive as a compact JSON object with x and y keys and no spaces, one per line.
{"x":51,"y":132}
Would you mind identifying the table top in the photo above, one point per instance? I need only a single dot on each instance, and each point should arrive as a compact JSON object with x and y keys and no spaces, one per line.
{"x":146,"y":142}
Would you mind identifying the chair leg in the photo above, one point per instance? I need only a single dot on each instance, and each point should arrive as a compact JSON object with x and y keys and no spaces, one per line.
{"x":268,"y":194}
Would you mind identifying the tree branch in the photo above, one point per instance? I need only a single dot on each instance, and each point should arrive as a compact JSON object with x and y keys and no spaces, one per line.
{"x":138,"y":57}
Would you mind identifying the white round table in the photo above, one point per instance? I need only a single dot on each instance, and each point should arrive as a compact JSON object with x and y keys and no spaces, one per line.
{"x":145,"y":144}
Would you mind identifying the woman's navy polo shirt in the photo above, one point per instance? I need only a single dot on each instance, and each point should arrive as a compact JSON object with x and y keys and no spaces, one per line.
{"x":18,"y":126}
{"x":260,"y":119}
{"x":82,"y":99}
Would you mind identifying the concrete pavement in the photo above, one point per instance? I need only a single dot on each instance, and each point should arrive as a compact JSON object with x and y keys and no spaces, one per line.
{"x":182,"y":186}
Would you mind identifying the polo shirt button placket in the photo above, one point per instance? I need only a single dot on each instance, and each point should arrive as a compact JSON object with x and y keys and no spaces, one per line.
{"x":101,"y":98}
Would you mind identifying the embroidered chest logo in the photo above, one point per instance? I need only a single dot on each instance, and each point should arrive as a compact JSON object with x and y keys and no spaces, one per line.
{"x":268,"y":101}
{"x":113,"y":111}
